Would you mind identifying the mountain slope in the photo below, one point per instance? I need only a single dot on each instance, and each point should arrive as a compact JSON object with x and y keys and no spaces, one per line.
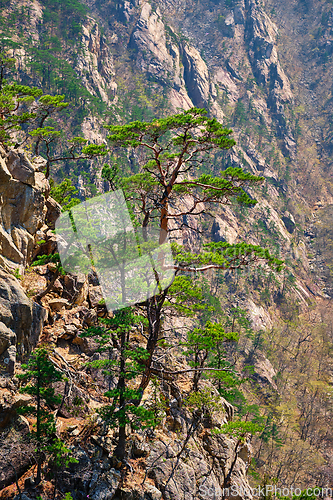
{"x":264,"y":70}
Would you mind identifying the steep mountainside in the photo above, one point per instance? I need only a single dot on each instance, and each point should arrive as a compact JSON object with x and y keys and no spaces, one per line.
{"x":264,"y":70}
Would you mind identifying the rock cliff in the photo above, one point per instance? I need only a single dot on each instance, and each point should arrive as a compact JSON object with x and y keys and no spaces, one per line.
{"x":23,"y":191}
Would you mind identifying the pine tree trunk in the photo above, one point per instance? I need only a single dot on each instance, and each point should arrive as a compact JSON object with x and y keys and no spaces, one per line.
{"x":121,"y":445}
{"x":39,"y":455}
{"x":154,"y":316}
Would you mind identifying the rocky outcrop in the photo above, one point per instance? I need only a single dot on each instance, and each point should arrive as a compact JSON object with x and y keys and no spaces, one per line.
{"x":196,"y":76}
{"x":16,"y":455}
{"x":188,"y":73}
{"x":164,"y":55}
{"x":21,"y":321}
{"x":164,"y":58}
{"x":149,"y":38}
{"x":194,"y":477}
{"x":95,"y":62}
{"x":260,"y":35}
{"x":23,"y":188}
{"x":225,"y":227}
{"x":173,"y":471}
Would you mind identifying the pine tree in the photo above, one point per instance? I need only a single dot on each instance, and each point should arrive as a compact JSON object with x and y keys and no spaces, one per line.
{"x":25,"y":105}
{"x":121,"y":369}
{"x":239,"y":430}
{"x":60,"y":458}
{"x":40,"y":374}
{"x":173,"y":150}
{"x":203,"y":346}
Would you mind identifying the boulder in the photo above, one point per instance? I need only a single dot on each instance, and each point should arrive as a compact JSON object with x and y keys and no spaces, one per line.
{"x":7,"y":337}
{"x":53,"y":212}
{"x":58,"y":304}
{"x":10,"y":359}
{"x":152,"y":493}
{"x":139,"y":447}
{"x":20,"y":167}
{"x":22,"y":425}
{"x":105,"y":442}
{"x":75,"y":288}
{"x":105,"y":486}
{"x":95,"y":295}
{"x":9,"y":404}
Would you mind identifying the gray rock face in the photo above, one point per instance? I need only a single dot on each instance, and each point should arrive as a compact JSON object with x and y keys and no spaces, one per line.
{"x":53,"y":211}
{"x":149,"y":38}
{"x":106,"y":485}
{"x":152,"y":493}
{"x":21,"y":321}
{"x":16,"y":454}
{"x":261,"y":39}
{"x":23,"y":188}
{"x":239,"y":15}
{"x":95,"y":62}
{"x":196,"y":76}
{"x":177,"y":481}
{"x":168,"y":61}
{"x":191,"y":477}
{"x":7,"y":338}
{"x":21,"y":168}
{"x":9,"y":402}
{"x":79,"y":475}
{"x":95,"y":295}
{"x":289,"y":222}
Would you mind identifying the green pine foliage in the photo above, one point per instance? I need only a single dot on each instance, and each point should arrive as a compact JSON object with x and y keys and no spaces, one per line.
{"x":66,"y":16}
{"x":123,"y":407}
{"x":204,"y":403}
{"x":39,"y":376}
{"x":203,"y":345}
{"x":41,"y":260}
{"x":64,"y":193}
{"x":60,"y":457}
{"x":22,"y":105}
{"x":16,"y":108}
{"x":239,"y":429}
{"x":225,"y":256}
